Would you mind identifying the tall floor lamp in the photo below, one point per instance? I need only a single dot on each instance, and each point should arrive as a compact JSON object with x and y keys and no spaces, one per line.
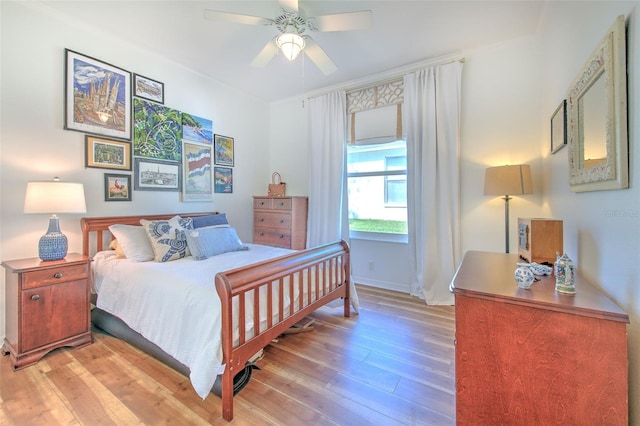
{"x":508,"y":180}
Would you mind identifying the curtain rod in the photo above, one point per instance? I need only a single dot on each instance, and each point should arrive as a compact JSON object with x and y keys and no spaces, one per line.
{"x":393,"y":75}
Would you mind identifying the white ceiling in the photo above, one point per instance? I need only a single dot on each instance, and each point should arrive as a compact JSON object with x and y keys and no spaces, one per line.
{"x":403,"y":33}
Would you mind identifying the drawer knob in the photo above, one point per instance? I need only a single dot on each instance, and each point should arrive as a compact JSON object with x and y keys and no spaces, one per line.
{"x":281,"y":220}
{"x":57,"y":275}
{"x":281,"y":237}
{"x":282,"y":203}
{"x":262,"y":219}
{"x":262,"y":234}
{"x":35,"y":297}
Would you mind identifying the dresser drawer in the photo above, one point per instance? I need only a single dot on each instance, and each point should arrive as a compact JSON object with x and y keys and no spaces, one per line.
{"x":44,"y":277}
{"x":272,"y":203}
{"x":271,"y":220}
{"x":272,"y":237}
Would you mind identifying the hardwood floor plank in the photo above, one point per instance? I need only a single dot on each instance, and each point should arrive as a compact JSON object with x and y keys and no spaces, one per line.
{"x":393,"y":364}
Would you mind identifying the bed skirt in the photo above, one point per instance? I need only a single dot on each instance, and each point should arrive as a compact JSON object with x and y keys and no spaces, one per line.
{"x":117,"y":328}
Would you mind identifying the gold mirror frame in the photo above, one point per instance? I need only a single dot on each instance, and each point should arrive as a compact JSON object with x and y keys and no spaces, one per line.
{"x":608,"y":62}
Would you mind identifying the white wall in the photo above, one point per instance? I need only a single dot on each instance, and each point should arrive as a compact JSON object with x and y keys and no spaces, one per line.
{"x":510,"y":91}
{"x":601,"y":228}
{"x":34,"y":145}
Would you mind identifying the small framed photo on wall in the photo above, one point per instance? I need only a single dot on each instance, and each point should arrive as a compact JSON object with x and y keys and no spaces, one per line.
{"x":223,"y":177}
{"x":223,"y":150}
{"x":151,"y":90}
{"x":107,"y":153}
{"x":559,"y":127}
{"x":117,"y":187}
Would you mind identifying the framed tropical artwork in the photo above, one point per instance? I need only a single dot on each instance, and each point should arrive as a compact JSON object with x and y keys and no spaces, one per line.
{"x":197,"y":182}
{"x":157,"y":131}
{"x":117,"y":187}
{"x":97,"y":97}
{"x":197,"y":129}
{"x":223,"y":150}
{"x":223,"y":177}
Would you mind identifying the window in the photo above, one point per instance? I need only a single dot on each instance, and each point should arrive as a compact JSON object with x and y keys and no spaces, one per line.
{"x":377,"y":187}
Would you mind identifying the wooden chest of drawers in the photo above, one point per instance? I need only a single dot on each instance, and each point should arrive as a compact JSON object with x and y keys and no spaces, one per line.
{"x":536,"y":356}
{"x":48,"y":307}
{"x":280,"y":222}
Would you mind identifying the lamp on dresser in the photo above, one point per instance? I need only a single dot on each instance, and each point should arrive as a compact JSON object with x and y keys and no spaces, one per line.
{"x":508,"y":180}
{"x":54,"y":197}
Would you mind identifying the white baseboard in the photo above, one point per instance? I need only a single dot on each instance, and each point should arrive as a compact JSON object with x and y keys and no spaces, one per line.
{"x":382,"y":284}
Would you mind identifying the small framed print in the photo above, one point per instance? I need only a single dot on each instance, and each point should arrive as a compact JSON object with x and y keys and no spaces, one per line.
{"x":117,"y":187}
{"x":156,"y":175}
{"x":107,"y":153}
{"x":223,"y":150}
{"x":223,"y":177}
{"x":559,"y":127}
{"x":146,"y":88}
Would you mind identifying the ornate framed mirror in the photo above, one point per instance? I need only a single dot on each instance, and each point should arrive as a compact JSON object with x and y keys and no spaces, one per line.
{"x":597,"y":117}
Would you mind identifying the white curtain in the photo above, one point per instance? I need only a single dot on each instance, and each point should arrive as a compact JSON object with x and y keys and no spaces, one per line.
{"x":328,"y":215}
{"x":432,"y":121}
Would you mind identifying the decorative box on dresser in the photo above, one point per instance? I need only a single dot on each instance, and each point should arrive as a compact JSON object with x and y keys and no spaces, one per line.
{"x":48,"y":306}
{"x":280,"y":221}
{"x":536,"y":356}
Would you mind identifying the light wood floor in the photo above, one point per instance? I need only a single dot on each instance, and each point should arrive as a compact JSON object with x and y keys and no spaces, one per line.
{"x":393,"y":364}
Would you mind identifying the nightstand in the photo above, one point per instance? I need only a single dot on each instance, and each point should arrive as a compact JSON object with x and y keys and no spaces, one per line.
{"x":48,"y":306}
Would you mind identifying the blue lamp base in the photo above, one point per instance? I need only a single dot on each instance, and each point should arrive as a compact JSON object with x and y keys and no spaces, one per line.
{"x":53,"y":245}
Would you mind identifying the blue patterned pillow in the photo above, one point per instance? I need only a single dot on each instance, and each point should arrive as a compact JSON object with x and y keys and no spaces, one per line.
{"x":168,"y":237}
{"x":213,"y":240}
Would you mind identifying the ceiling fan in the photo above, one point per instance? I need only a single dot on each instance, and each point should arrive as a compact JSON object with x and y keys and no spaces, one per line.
{"x":293,"y":39}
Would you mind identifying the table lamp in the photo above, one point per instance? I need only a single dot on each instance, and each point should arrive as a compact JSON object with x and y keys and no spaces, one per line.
{"x":53,"y":197}
{"x":508,"y":180}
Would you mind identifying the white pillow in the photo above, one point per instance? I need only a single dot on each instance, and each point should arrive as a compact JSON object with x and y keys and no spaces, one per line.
{"x":213,"y":240}
{"x":134,"y":242}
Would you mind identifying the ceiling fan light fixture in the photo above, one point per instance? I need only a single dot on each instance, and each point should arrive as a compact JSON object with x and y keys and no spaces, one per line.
{"x":291,"y":44}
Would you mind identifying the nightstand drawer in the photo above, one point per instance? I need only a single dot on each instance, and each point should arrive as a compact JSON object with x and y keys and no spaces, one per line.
{"x":272,"y":237}
{"x":272,"y":220}
{"x":56,"y":275}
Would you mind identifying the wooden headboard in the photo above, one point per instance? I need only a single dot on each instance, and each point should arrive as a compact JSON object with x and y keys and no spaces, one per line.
{"x":99,"y":225}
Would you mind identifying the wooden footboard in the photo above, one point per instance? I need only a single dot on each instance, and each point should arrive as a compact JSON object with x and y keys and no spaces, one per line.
{"x":281,"y":290}
{"x":317,"y":276}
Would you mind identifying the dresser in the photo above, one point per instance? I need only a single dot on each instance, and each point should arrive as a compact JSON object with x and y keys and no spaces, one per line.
{"x":536,"y":356}
{"x":48,"y":306}
{"x":280,"y":221}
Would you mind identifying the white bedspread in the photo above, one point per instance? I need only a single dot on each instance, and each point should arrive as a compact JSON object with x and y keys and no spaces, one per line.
{"x":174,"y":305}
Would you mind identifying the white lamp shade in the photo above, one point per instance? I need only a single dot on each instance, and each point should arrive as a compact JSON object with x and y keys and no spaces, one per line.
{"x":291,"y":44}
{"x":54,"y":197}
{"x":508,"y":180}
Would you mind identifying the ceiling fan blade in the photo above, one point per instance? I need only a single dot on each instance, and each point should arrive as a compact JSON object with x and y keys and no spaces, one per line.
{"x":216,"y":15}
{"x":361,"y":20}
{"x":318,"y":56}
{"x":266,"y":54}
{"x":290,"y":5}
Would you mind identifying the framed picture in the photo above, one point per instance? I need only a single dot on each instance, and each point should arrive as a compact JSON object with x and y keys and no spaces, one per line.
{"x":559,"y":127}
{"x":117,"y":187}
{"x":156,"y":175}
{"x":197,"y":181}
{"x":144,"y":87}
{"x":223,"y":178}
{"x":197,"y":129}
{"x":97,"y":97}
{"x":223,"y":150}
{"x":107,"y":153}
{"x":157,"y":131}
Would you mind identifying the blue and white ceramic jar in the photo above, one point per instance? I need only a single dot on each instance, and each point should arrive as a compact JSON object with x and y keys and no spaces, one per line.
{"x":524,"y":277}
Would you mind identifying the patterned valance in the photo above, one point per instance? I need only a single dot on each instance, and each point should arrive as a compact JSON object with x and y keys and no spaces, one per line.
{"x":376,"y":95}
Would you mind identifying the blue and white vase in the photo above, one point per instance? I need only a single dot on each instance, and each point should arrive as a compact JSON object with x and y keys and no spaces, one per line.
{"x":524,"y":277}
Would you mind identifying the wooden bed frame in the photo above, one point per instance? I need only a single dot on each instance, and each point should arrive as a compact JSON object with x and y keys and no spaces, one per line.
{"x":301,"y":267}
